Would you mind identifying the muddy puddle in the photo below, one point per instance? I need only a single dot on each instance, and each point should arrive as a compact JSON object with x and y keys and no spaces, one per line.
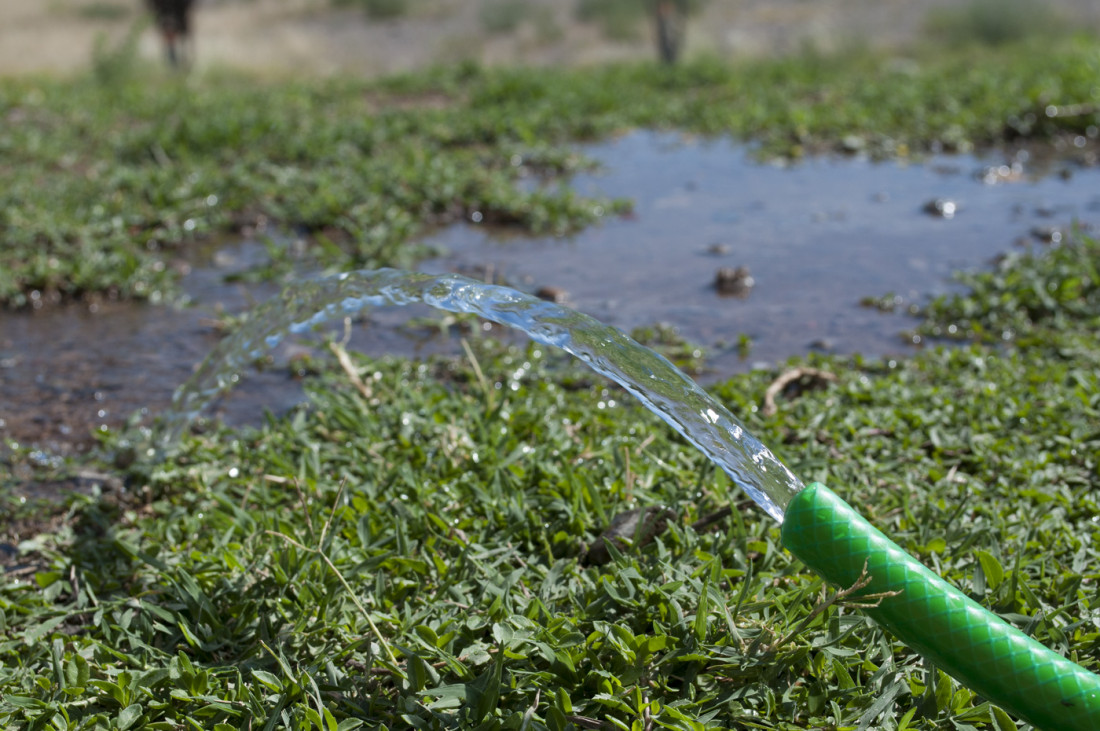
{"x":67,"y":373}
{"x":811,"y":240}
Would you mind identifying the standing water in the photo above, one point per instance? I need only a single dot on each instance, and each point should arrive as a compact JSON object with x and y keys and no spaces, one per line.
{"x":817,"y":237}
{"x":658,"y":384}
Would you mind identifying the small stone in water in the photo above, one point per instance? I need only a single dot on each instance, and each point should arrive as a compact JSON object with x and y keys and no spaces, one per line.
{"x":1047,"y":234}
{"x":733,"y":281}
{"x":942,"y":207}
{"x":552,"y":294}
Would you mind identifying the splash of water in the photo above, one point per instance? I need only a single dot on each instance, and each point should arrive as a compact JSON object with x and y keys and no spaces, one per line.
{"x":650,"y":377}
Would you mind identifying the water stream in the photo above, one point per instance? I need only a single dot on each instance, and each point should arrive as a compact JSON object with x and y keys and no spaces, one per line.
{"x":647,"y":375}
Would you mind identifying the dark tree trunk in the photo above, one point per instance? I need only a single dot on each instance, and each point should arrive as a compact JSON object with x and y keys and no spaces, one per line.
{"x":671,"y":22}
{"x":173,"y":19}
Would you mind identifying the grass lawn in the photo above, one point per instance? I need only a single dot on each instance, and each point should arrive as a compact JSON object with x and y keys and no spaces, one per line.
{"x":409,"y":551}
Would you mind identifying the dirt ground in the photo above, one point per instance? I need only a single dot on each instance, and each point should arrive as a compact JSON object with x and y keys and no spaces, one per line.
{"x":314,"y":37}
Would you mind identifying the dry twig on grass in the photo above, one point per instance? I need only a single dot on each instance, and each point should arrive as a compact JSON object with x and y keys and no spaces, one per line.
{"x":349,"y":368}
{"x":813,"y":377}
{"x":862,"y":601}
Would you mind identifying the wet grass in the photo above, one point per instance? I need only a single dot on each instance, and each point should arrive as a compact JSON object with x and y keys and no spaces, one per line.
{"x":1025,"y":296}
{"x":108,"y":178}
{"x":406,"y":551}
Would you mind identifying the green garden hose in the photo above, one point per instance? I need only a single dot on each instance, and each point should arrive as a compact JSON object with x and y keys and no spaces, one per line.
{"x":994,"y":659}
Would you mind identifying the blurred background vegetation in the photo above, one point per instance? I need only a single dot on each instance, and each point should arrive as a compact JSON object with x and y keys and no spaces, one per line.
{"x":375,"y":37}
